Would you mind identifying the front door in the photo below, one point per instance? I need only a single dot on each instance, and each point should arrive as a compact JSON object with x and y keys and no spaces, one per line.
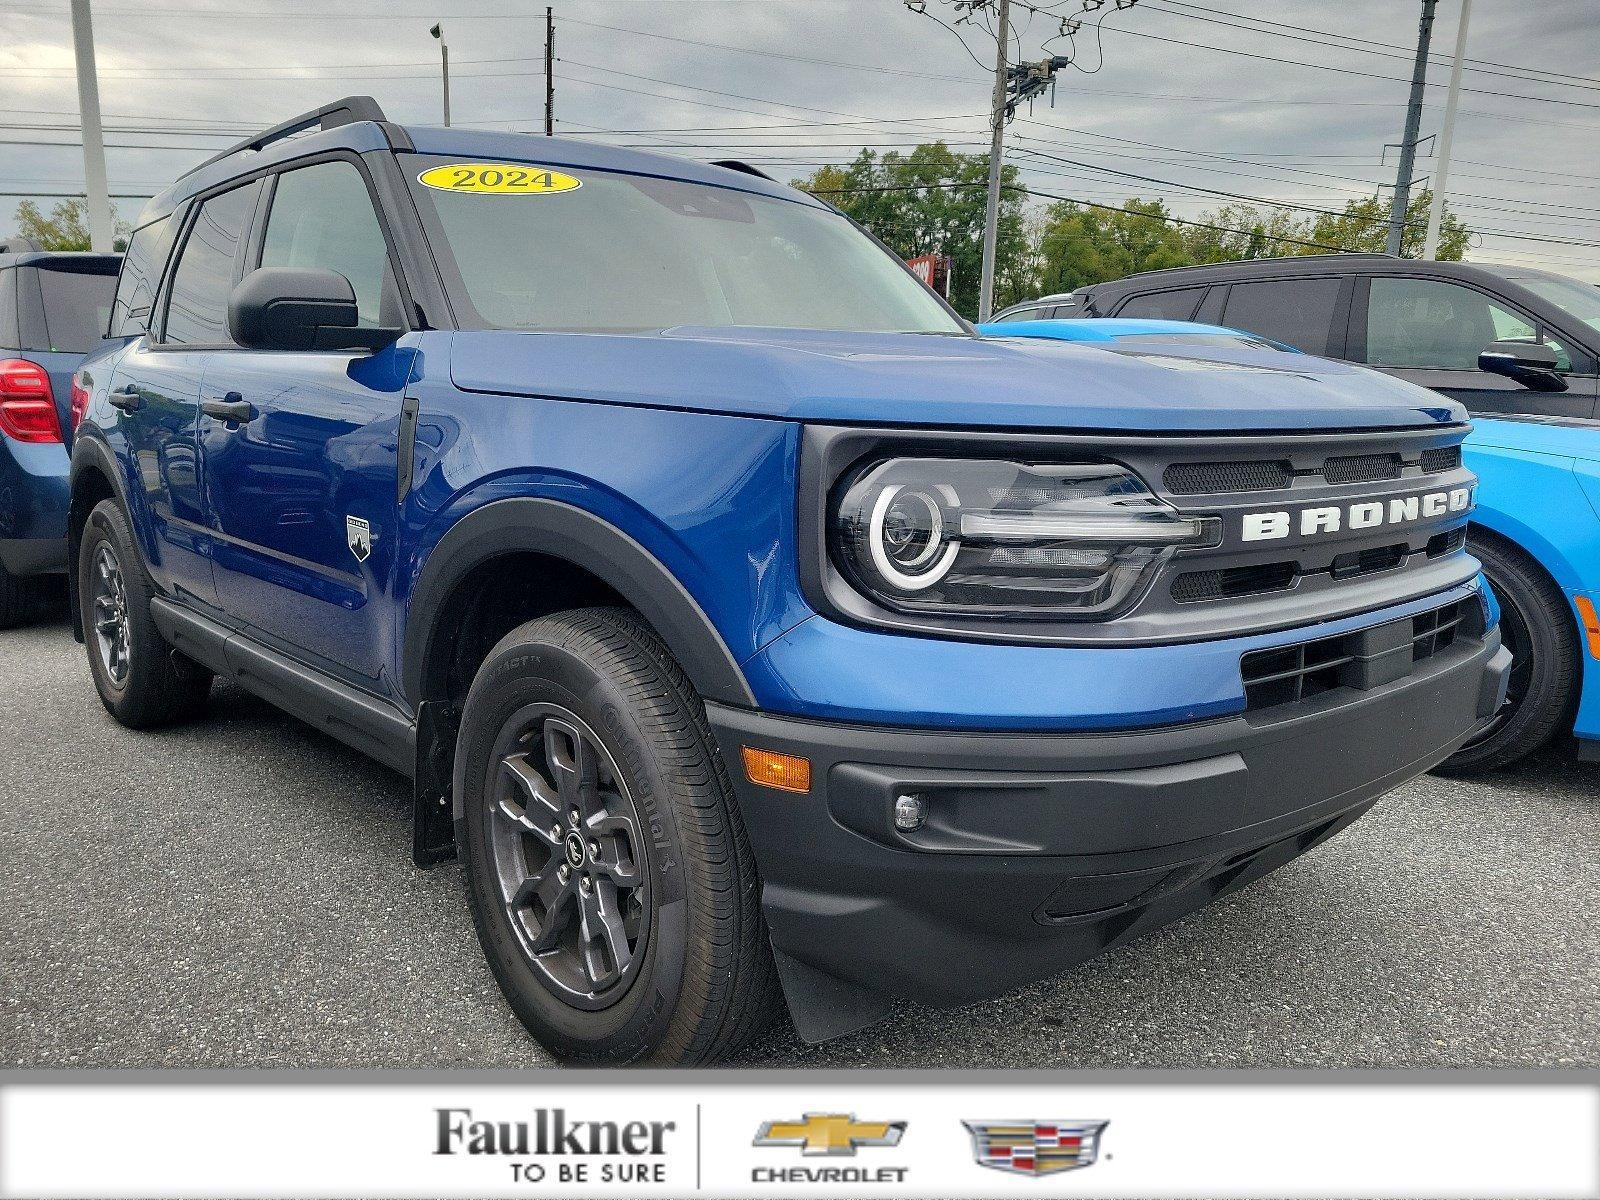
{"x":1430,"y":332}
{"x":156,"y":386}
{"x":300,"y":481}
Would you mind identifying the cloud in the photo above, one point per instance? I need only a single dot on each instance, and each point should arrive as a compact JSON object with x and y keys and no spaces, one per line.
{"x":1305,"y":135}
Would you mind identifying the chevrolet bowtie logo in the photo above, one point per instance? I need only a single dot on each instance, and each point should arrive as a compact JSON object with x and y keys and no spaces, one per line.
{"x":830,"y":1133}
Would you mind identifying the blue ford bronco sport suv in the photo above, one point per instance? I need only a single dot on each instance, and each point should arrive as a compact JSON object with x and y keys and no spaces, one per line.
{"x":53,"y":307}
{"x":748,"y":626}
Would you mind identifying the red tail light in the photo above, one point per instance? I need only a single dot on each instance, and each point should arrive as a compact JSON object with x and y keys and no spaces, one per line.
{"x":27,"y":406}
{"x":80,"y":400}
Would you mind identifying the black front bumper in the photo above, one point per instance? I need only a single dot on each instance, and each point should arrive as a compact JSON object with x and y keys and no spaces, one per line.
{"x":1041,"y":851}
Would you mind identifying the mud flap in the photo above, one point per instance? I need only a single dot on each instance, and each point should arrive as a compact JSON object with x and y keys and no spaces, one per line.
{"x":433,"y":838}
{"x":823,"y":1006}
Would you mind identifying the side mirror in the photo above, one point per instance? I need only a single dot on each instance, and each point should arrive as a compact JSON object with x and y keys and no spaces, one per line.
{"x":1532,"y":364}
{"x":300,"y":308}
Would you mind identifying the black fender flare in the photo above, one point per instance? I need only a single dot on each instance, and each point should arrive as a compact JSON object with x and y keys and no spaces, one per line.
{"x":88,"y":454}
{"x":529,"y":524}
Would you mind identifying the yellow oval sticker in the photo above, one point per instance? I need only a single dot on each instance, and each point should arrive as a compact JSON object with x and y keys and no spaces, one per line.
{"x":498,"y":179}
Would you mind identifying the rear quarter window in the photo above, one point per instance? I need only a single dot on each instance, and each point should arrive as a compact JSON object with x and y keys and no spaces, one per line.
{"x":141,"y":271}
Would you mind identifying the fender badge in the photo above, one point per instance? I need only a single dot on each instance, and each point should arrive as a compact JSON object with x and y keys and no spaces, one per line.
{"x":358,"y":536}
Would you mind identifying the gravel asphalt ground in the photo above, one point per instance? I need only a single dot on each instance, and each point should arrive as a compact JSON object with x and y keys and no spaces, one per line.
{"x":238,"y":893}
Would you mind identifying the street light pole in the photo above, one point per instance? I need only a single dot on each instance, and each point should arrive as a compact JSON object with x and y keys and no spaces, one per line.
{"x":1430,"y":245}
{"x":991,"y":218}
{"x":444,"y":66}
{"x":102,"y":231}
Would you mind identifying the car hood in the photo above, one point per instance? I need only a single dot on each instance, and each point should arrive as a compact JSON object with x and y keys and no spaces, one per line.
{"x":966,"y":382}
{"x":1562,"y":437}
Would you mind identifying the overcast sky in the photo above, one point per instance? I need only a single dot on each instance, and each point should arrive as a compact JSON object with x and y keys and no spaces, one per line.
{"x":810,"y":81}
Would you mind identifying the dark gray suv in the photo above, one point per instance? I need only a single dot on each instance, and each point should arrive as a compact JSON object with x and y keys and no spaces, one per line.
{"x":1433,"y":323}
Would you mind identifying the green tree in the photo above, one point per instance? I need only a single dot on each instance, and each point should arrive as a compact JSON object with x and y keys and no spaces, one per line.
{"x":66,"y":228}
{"x":1079,"y":245}
{"x":1364,"y":225}
{"x":932,"y":201}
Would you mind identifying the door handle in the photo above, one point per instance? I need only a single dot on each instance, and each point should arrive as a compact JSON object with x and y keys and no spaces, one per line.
{"x":127,"y":399}
{"x":232,"y":410}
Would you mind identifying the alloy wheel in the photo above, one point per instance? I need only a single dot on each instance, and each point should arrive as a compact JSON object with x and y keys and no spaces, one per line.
{"x":569,"y":856}
{"x":110,"y":604}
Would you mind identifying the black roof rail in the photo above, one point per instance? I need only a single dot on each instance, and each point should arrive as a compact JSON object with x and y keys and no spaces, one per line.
{"x":733,"y":164}
{"x":330,"y":116}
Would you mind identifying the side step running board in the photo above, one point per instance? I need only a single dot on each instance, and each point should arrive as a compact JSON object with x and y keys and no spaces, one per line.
{"x":370,"y":726}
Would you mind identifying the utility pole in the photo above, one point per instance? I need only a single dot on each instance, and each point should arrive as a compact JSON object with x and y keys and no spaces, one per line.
{"x":549,"y":73}
{"x":102,"y":231}
{"x":991,"y":219}
{"x":1441,"y":172}
{"x":444,"y":66}
{"x":1408,"y":144}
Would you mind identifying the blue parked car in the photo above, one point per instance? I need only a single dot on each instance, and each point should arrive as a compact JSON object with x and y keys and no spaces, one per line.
{"x":744,"y":621}
{"x":53,"y":308}
{"x":1536,"y":529}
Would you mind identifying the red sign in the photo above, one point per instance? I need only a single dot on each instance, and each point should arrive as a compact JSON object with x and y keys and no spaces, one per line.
{"x":933,"y":270}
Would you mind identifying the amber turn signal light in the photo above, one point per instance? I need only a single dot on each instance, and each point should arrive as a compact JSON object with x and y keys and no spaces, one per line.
{"x":1591,"y":625}
{"x":786,"y":772}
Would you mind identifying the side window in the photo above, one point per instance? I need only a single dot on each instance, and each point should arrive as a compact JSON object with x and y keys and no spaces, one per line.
{"x":197,"y":304}
{"x":1164,"y":306}
{"x":141,"y":273}
{"x":1430,"y":323}
{"x":1296,"y":311}
{"x":322,"y":216}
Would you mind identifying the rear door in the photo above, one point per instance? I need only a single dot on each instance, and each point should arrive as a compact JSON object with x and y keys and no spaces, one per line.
{"x":302,"y":494}
{"x":1431,"y":331}
{"x":156,"y":385}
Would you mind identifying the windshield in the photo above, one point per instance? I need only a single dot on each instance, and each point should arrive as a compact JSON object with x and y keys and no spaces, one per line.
{"x":602,"y":252}
{"x":1581,"y":300}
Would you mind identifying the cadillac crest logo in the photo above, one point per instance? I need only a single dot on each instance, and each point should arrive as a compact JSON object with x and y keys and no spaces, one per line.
{"x":1035,"y":1147}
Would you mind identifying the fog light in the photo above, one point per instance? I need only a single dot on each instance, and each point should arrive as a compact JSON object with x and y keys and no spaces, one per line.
{"x":786,"y":772}
{"x":910,"y":813}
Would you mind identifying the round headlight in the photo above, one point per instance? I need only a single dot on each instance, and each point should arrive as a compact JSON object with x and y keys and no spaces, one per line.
{"x":907,"y":538}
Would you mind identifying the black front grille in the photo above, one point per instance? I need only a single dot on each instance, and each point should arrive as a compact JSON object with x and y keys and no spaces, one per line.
{"x":1444,"y":458}
{"x":1290,"y":674}
{"x":1361,"y":468}
{"x":1448,"y":542}
{"x":1228,"y":582}
{"x":1435,"y":631}
{"x":1368,"y":561}
{"x":1363,"y":659}
{"x":1190,"y":479}
{"x":1265,"y":475}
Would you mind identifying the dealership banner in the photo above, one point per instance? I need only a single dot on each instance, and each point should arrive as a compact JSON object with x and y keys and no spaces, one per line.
{"x":827,"y":1134}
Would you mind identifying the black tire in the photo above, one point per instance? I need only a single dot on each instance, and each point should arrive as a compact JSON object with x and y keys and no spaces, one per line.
{"x":149,"y":684}
{"x":21,"y":600}
{"x":1537,"y":625}
{"x":691,"y":978}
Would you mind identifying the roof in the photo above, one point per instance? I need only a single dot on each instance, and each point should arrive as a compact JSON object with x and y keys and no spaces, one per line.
{"x":80,"y":260}
{"x":1302,"y":265}
{"x":355,"y":124}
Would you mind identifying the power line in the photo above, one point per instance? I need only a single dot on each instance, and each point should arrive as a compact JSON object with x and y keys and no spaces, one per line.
{"x":1402,"y":52}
